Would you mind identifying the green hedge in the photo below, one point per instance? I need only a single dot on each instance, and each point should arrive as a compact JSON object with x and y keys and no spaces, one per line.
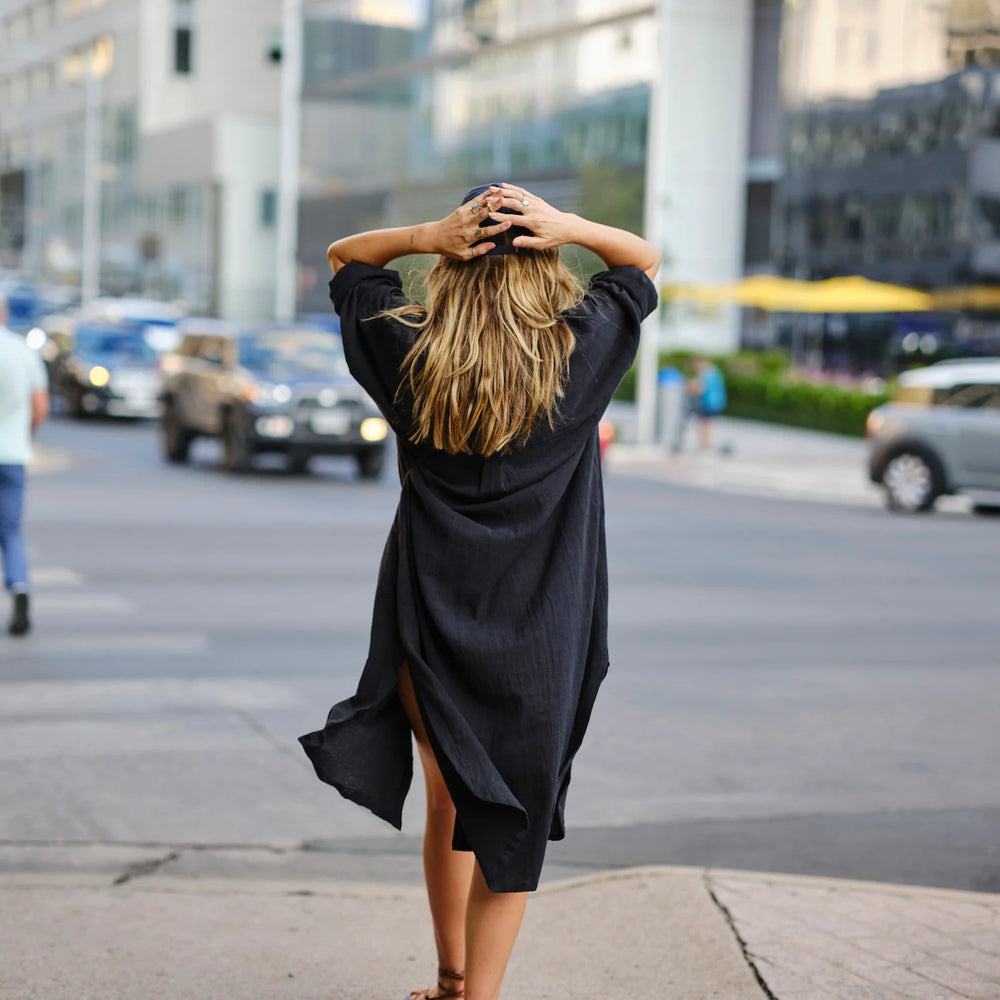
{"x":800,"y":404}
{"x":760,"y":387}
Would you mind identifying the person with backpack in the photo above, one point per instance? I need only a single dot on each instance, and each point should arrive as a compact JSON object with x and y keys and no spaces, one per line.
{"x":707,"y":395}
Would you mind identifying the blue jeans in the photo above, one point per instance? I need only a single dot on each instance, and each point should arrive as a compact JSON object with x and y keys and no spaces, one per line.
{"x":15,"y":557}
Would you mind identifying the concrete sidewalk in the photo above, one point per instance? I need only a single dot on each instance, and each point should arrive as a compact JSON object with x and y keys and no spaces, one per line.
{"x":754,"y":458}
{"x":758,"y":459}
{"x":114,"y":931}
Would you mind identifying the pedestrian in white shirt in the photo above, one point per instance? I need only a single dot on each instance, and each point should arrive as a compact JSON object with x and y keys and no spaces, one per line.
{"x":24,"y":404}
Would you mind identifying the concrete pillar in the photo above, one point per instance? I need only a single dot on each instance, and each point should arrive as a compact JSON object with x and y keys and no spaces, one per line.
{"x":707,"y":130}
{"x":696,"y":174}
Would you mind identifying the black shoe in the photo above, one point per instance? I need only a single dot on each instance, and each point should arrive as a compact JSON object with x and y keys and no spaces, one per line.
{"x":20,"y":624}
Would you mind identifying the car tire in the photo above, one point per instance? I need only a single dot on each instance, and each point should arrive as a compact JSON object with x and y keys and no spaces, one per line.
{"x":176,"y":437}
{"x":371,"y":463}
{"x":986,"y":509}
{"x":74,"y":403}
{"x":913,"y":480}
{"x":235,"y":448}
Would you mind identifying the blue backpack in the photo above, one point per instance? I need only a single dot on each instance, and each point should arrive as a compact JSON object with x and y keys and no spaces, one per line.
{"x":713,"y":391}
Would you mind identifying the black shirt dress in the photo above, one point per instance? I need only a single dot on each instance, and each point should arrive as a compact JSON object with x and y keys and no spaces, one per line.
{"x":493,"y":587}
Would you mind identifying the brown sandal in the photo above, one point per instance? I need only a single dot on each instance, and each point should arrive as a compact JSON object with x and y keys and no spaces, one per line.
{"x":443,"y":992}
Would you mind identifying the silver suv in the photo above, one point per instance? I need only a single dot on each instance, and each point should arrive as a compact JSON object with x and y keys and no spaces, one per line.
{"x":940,"y":434}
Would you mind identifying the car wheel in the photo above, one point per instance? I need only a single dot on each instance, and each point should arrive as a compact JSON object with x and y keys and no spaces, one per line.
{"x":912,"y":481}
{"x":176,"y":437}
{"x":986,"y":509}
{"x":371,"y":463}
{"x":74,"y":403}
{"x":235,"y":449}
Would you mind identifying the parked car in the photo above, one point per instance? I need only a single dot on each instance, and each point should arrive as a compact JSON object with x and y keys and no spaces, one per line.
{"x":57,"y":332}
{"x":940,"y":435}
{"x":111,"y":369}
{"x":160,"y":318}
{"x":284,"y":389}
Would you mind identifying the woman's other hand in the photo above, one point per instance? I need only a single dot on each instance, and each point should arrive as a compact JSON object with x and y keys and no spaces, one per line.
{"x":453,"y":236}
{"x":551,"y":227}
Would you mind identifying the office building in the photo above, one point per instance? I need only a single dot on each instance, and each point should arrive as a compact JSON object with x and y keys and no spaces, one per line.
{"x":182,"y":99}
{"x":555,"y":96}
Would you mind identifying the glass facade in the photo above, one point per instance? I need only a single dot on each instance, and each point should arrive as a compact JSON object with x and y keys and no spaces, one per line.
{"x":891,"y":161}
{"x":399,"y":119}
{"x":892,"y":139}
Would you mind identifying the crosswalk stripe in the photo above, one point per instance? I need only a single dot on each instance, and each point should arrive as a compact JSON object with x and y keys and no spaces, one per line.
{"x":56,"y":576}
{"x":118,"y":642}
{"x":82,"y":697}
{"x":71,"y":603}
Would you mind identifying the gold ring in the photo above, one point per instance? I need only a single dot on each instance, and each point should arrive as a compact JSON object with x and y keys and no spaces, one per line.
{"x":477,"y":235}
{"x":474,"y":208}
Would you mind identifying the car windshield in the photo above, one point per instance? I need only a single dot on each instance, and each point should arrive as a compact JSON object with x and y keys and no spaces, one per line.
{"x":126,"y":345}
{"x":281,"y":354}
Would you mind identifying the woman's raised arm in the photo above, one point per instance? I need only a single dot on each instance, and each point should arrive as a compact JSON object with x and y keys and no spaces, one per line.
{"x":552,"y":228}
{"x":451,"y":237}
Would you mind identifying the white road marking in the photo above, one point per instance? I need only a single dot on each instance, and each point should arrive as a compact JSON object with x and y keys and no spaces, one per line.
{"x":76,"y":603}
{"x":161,"y":694}
{"x":117,"y":642}
{"x":43,"y":577}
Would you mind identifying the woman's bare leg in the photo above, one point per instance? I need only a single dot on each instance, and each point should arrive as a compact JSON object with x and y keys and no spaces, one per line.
{"x":448,"y":873}
{"x":491,"y":925}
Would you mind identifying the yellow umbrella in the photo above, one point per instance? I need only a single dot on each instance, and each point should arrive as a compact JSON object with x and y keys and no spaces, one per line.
{"x":760,"y":291}
{"x":985,"y":298}
{"x":859,"y":295}
{"x":836,"y":295}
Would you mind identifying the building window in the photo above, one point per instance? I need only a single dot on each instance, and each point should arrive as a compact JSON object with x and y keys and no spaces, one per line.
{"x":183,"y":37}
{"x":177,"y":204}
{"x":182,"y":51}
{"x":272,"y":50}
{"x":268,"y":208}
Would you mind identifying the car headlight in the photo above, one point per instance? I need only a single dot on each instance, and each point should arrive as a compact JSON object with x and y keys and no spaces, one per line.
{"x":374,"y":429}
{"x":268,"y":394}
{"x":35,"y":338}
{"x":99,"y":376}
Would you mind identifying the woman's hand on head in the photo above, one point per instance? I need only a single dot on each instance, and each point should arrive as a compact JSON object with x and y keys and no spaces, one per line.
{"x":551,"y":227}
{"x":453,"y":236}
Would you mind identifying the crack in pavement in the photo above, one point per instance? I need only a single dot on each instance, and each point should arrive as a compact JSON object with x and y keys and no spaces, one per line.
{"x":155,"y":845}
{"x":145,"y":868}
{"x":288,"y":749}
{"x":724,"y":910}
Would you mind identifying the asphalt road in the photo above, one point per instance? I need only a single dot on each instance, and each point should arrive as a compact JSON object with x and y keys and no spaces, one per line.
{"x":795,"y":687}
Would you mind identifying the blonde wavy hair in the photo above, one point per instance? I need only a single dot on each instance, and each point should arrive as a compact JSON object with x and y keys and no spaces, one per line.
{"x":492,"y":354}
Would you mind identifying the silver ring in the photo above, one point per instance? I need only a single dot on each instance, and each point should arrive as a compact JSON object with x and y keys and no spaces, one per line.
{"x":525,"y":202}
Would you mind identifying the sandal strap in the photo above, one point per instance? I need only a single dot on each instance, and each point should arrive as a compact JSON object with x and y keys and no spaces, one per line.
{"x":444,"y":992}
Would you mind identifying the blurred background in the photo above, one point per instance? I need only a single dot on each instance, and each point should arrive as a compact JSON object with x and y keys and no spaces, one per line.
{"x":800,"y":681}
{"x":176,"y":150}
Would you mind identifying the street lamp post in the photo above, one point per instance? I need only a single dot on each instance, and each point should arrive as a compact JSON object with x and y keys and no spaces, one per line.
{"x":90,"y":269}
{"x":654,"y":223}
{"x":286,"y":285}
{"x":96,"y":66}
